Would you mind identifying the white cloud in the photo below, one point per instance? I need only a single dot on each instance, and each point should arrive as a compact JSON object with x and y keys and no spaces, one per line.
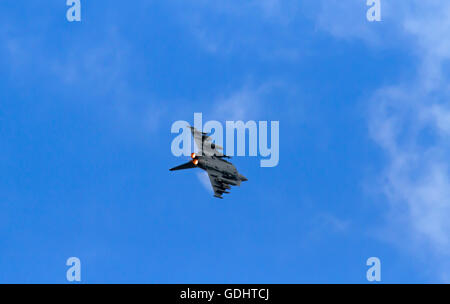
{"x":346,"y":20}
{"x":96,"y":71}
{"x":411,"y":120}
{"x":416,"y":178}
{"x":224,"y":27}
{"x":243,"y":104}
{"x":259,"y":102}
{"x":330,"y":222}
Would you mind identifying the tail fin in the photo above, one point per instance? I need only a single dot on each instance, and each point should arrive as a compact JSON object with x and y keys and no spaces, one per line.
{"x":188,"y":165}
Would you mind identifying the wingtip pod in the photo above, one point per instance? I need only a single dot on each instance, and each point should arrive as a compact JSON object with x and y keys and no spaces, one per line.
{"x":242,"y":178}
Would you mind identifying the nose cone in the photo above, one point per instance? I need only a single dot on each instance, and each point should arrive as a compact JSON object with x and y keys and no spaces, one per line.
{"x":242,"y":178}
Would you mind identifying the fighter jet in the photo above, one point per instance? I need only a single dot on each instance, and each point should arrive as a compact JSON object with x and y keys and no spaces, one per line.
{"x":221,"y":173}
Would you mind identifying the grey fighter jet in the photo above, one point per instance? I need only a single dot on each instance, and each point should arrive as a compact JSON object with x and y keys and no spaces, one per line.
{"x":221,"y":173}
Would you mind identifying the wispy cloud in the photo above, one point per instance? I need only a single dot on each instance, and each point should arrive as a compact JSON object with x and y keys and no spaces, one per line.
{"x":410,"y":121}
{"x":94,"y":69}
{"x":253,"y":102}
{"x":330,"y":222}
{"x":222,"y":28}
{"x":245,"y":103}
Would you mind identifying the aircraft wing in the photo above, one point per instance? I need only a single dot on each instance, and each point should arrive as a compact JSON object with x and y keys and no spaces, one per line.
{"x":204,"y":144}
{"x":219,"y":186}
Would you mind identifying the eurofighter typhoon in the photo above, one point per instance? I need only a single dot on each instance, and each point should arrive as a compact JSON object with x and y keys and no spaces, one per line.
{"x":221,"y":173}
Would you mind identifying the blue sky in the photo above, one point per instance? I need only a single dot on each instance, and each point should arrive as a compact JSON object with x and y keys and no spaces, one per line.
{"x":85,"y":116}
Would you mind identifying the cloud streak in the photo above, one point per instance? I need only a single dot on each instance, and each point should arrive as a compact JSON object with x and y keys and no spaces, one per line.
{"x":410,"y":121}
